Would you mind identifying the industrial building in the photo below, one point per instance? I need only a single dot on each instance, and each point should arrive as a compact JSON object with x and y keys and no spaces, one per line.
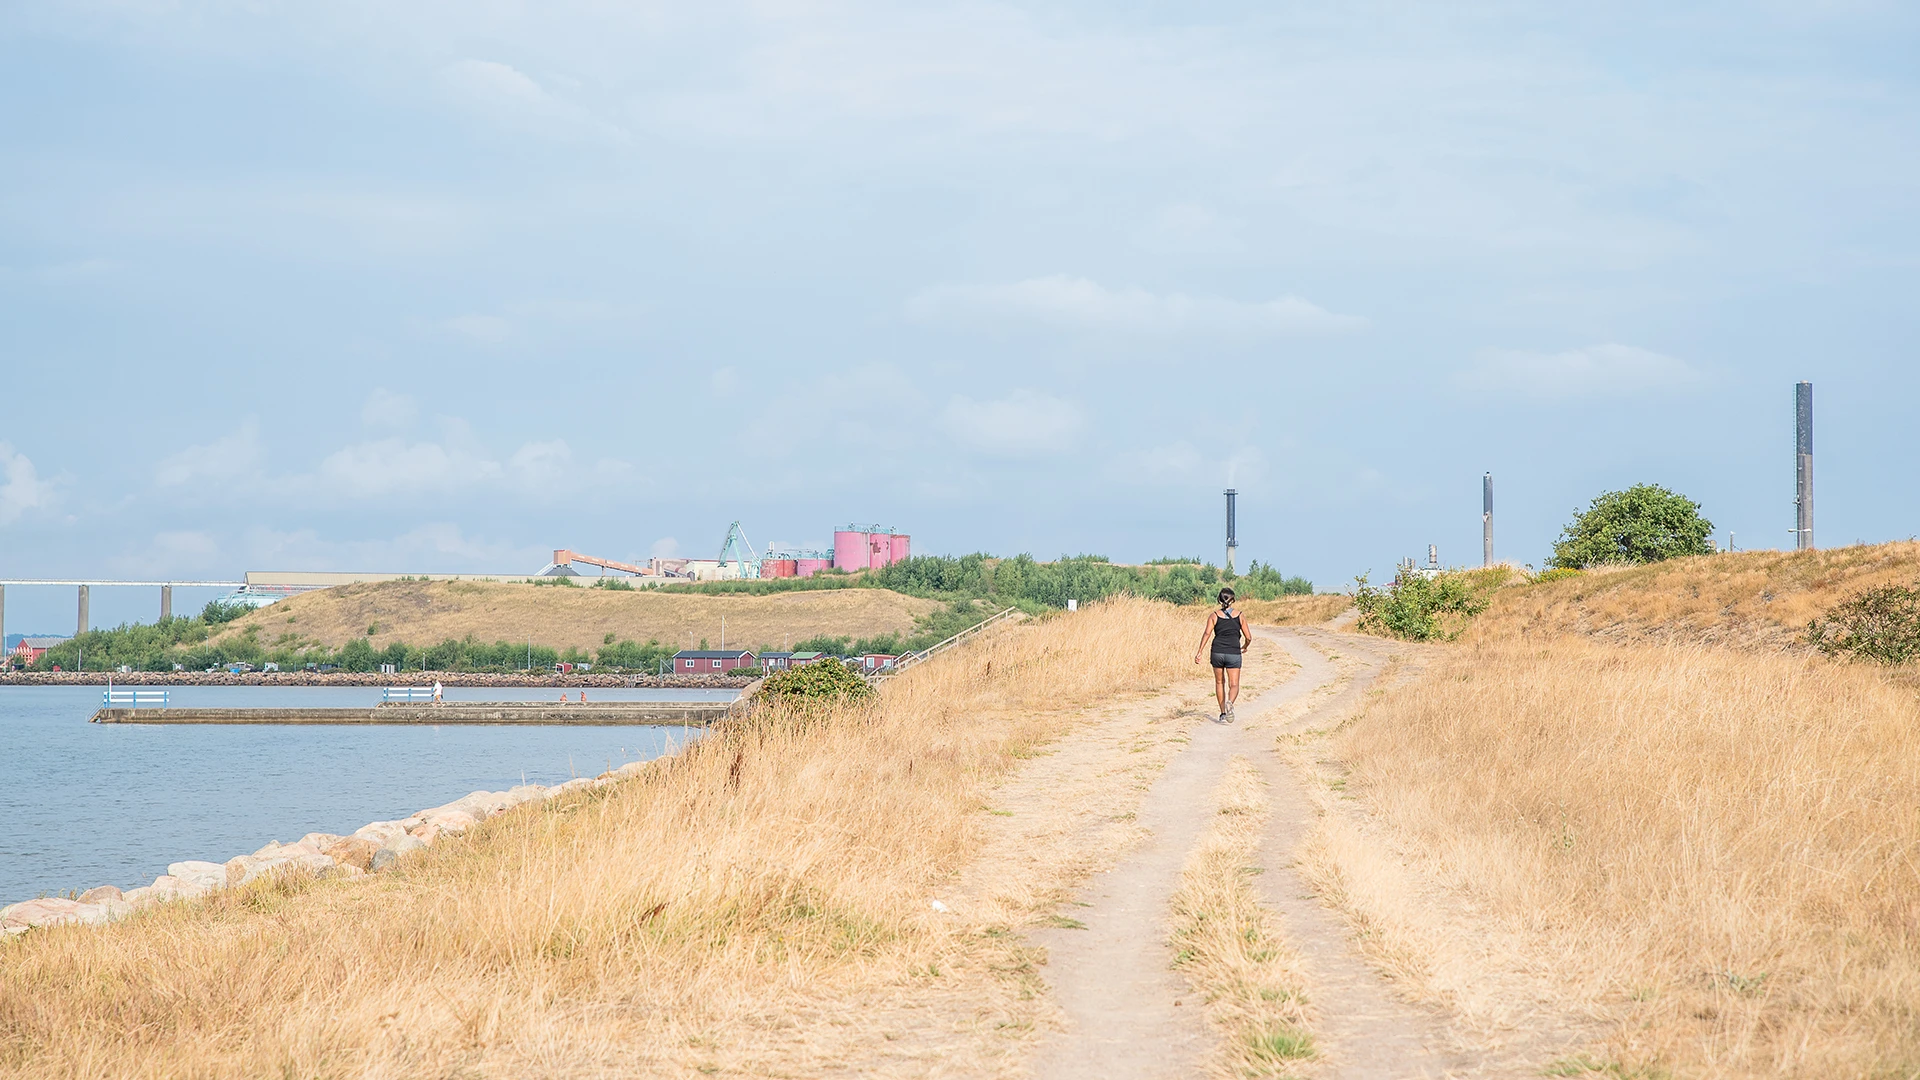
{"x":855,"y":548}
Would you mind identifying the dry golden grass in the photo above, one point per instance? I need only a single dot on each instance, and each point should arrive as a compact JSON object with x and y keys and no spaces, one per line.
{"x":428,"y":612}
{"x":1749,"y":599}
{"x":1289,"y":610}
{"x":1717,"y":849}
{"x":759,"y":903}
{"x":1230,"y":947}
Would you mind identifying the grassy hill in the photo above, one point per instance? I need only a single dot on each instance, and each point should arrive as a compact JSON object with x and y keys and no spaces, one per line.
{"x":1745,"y":600}
{"x":421,"y":613}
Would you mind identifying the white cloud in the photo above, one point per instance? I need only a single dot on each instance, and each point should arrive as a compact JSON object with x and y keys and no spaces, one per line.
{"x":384,"y":408}
{"x":481,"y":329}
{"x":1023,"y":424}
{"x":434,"y":548}
{"x":513,"y":99}
{"x":666,"y":548}
{"x":21,"y":488}
{"x":1078,"y":303}
{"x":229,"y":457}
{"x":1597,"y":371}
{"x":387,"y":466}
{"x":537,"y":461}
{"x":456,"y":462}
{"x":1189,"y":228}
{"x":1181,"y":464}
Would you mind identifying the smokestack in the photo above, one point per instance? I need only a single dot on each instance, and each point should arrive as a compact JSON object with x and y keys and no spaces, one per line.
{"x":1803,"y":466}
{"x":1486,"y":520}
{"x":1233,"y":540}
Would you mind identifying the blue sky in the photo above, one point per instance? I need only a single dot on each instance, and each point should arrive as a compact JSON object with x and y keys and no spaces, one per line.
{"x":439,"y":287}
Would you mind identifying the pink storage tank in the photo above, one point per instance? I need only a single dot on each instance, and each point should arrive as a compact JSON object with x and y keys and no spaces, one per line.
{"x":879,"y":549}
{"x":779,"y":568}
{"x":850,"y":551}
{"x":810,"y":567}
{"x":899,"y":547}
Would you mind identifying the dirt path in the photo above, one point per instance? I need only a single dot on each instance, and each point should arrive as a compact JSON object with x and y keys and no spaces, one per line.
{"x":1365,"y":1032}
{"x":1128,"y":1014}
{"x":1125,"y":1012}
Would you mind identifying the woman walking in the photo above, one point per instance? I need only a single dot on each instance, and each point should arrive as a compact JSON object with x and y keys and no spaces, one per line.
{"x":1230,"y":638}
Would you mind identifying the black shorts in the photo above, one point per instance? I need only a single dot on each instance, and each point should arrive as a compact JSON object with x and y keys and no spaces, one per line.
{"x":1226,"y":660}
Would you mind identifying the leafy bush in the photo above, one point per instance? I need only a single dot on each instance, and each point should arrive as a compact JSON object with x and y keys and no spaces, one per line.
{"x":1418,"y":608}
{"x":1881,"y":625}
{"x":1645,"y":523}
{"x":1557,"y":574}
{"x":823,"y":683}
{"x":217,"y":612}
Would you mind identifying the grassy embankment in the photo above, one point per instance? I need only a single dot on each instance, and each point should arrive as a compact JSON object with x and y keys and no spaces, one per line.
{"x":1702,"y":833}
{"x":422,"y":613}
{"x":759,"y":903}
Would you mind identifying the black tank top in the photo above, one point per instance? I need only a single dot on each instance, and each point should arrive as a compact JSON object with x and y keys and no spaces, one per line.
{"x":1226,"y":633}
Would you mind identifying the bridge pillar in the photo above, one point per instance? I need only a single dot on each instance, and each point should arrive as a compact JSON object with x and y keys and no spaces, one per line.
{"x":3,"y":625}
{"x":83,"y":612}
{"x":166,"y":602}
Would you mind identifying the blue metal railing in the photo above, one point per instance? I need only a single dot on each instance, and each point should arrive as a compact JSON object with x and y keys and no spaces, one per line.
{"x":135,"y":698}
{"x":407,"y":693}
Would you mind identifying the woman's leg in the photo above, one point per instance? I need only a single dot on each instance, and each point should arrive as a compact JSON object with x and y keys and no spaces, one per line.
{"x":1233,"y":688}
{"x":1220,"y":687}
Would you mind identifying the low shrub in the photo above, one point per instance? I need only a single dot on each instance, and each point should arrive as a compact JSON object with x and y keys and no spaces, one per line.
{"x":1881,"y":625}
{"x":1416,"y":607}
{"x":823,"y":683}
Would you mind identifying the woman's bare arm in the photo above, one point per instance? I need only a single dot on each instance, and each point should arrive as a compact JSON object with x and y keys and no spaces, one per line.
{"x":1205,"y":633}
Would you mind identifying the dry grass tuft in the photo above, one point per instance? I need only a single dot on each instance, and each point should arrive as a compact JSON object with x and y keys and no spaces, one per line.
{"x":1720,"y":849}
{"x":1229,"y":946}
{"x":758,"y":903}
{"x":1289,"y":610}
{"x":1750,"y":599}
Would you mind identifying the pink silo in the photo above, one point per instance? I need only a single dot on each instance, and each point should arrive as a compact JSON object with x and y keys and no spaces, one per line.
{"x":879,"y":549}
{"x":899,"y":547}
{"x":810,"y":567}
{"x":770,"y":568}
{"x":850,"y":551}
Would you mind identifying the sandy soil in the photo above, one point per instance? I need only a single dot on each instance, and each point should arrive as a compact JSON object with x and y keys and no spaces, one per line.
{"x":426,"y":613}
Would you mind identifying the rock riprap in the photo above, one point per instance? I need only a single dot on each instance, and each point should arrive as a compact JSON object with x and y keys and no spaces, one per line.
{"x":372,"y":848}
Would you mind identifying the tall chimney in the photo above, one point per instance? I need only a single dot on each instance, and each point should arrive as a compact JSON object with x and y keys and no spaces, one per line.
{"x":1486,"y":520}
{"x":1803,"y":466}
{"x":1233,"y":540}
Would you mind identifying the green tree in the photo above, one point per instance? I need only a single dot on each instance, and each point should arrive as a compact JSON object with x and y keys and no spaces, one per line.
{"x":1645,"y":523}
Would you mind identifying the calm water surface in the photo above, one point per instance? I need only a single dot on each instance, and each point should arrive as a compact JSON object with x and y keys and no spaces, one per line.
{"x":112,"y":804}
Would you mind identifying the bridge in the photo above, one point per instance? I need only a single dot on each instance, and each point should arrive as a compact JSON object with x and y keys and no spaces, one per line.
{"x":85,"y":586}
{"x":266,"y":582}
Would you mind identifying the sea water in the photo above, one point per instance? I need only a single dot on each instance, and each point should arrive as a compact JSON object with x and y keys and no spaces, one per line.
{"x":112,"y":804}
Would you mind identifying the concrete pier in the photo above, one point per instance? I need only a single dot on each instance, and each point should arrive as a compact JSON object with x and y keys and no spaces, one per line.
{"x":83,"y":612}
{"x":446,"y":712}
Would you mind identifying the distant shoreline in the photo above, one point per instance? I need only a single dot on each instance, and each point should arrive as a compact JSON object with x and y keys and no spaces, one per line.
{"x":366,"y":678}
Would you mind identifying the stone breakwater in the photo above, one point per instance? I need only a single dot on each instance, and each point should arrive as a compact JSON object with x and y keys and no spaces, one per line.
{"x":371,"y":849}
{"x":358,"y":678}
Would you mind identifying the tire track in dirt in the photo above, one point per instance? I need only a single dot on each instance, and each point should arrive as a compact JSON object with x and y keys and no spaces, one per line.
{"x":1127,"y":1013}
{"x":1365,"y":1032}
